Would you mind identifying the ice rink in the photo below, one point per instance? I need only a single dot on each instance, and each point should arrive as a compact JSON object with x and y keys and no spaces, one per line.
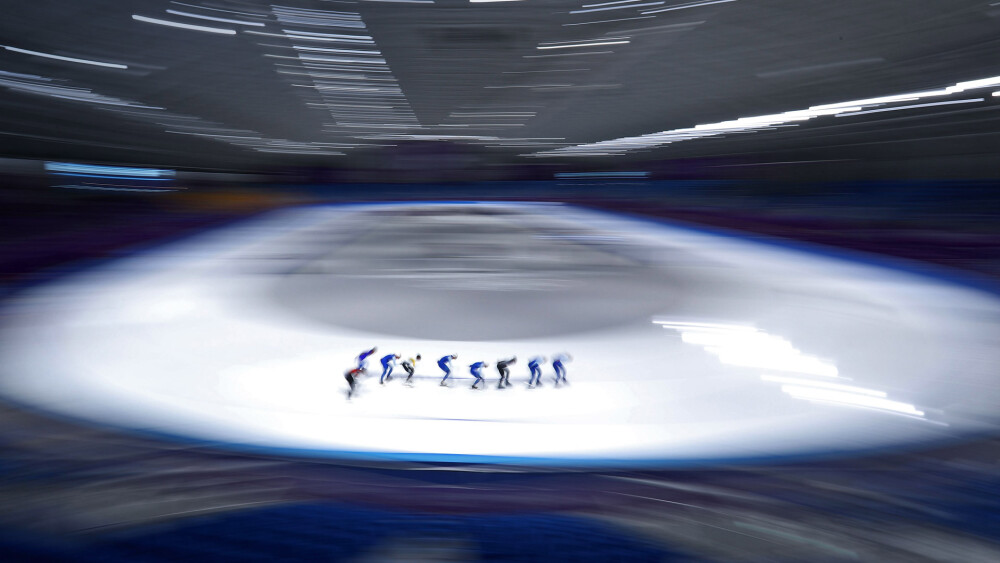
{"x":687,"y":346}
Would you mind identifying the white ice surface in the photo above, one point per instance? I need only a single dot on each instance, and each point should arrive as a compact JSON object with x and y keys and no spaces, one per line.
{"x":795,"y":353}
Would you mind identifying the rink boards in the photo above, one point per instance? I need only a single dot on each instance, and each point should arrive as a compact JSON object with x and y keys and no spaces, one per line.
{"x":688,"y":346}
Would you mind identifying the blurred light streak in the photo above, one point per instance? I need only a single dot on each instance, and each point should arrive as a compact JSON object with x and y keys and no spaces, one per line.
{"x":526,"y":86}
{"x":840,"y":397}
{"x":568,"y":54}
{"x":776,"y":163}
{"x":686,"y":6}
{"x":24,"y":76}
{"x":548,"y":70}
{"x":62,"y":58}
{"x":609,"y":21}
{"x":609,"y":3}
{"x":616,"y":8}
{"x":493,"y":114}
{"x":660,"y":500}
{"x":664,"y":28}
{"x":811,"y":68}
{"x":345,"y":75}
{"x":211,"y":18}
{"x":684,"y":324}
{"x":823,"y":385}
{"x":30,"y":84}
{"x":248,"y":14}
{"x":112,"y":177}
{"x":623,"y":145}
{"x":71,"y":168}
{"x":357,"y":23}
{"x":602,"y":175}
{"x":180,"y":25}
{"x":577,"y":87}
{"x":113,"y":189}
{"x":575,"y":45}
{"x":332,"y":38}
{"x":897,"y":108}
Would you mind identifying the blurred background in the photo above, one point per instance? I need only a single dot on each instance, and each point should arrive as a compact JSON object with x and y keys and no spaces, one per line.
{"x":869,"y":126}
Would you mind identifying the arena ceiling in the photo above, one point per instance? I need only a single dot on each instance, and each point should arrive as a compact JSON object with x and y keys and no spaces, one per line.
{"x":237,"y":84}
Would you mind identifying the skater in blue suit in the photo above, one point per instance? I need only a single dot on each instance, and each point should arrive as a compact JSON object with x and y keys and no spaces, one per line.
{"x":445,"y":365}
{"x":363,"y":358}
{"x":476,"y":370}
{"x":557,"y":364}
{"x":534,"y":364}
{"x":388,"y":362}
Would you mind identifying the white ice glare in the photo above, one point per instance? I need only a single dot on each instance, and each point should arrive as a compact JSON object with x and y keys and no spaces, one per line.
{"x":181,"y":25}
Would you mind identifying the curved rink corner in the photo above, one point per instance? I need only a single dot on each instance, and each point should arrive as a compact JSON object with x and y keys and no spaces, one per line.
{"x":689,"y":347}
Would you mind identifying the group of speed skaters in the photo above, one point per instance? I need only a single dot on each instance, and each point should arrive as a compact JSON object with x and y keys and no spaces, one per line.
{"x":409,"y":365}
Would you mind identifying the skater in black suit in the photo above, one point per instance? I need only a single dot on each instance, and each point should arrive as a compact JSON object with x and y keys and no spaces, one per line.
{"x":504,"y":372}
{"x":352,"y":376}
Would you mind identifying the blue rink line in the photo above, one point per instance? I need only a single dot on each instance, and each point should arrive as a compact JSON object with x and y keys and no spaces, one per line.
{"x":343,"y":532}
{"x":526,"y":462}
{"x":934,"y":272}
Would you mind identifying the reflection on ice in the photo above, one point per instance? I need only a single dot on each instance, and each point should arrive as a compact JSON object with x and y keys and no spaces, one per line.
{"x":749,"y":347}
{"x":746,"y":346}
{"x":822,"y":385}
{"x":846,"y":398}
